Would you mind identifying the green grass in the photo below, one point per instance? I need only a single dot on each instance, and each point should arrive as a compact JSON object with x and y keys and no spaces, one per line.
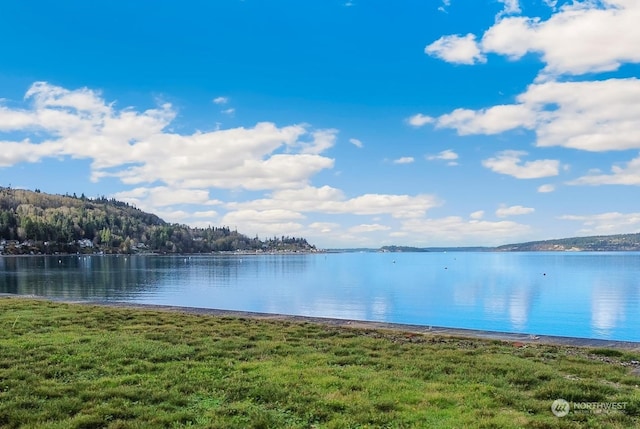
{"x":80,"y":366}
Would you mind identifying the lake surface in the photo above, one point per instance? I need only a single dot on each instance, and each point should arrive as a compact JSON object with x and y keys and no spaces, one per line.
{"x":591,"y":295}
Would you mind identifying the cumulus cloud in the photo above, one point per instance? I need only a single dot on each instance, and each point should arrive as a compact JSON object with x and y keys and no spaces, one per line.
{"x":404,"y":160}
{"x":580,"y":37}
{"x":493,"y":120}
{"x":162,"y":196}
{"x":628,"y":174}
{"x":445,"y":4}
{"x":137,"y":148}
{"x":221,"y":100}
{"x":445,"y":155}
{"x":15,"y":119}
{"x":456,"y":49}
{"x":606,"y":223}
{"x":546,"y":188}
{"x":511,"y":7}
{"x":265,"y":222}
{"x":509,"y":162}
{"x":209,"y":214}
{"x":591,"y":115}
{"x":505,"y":211}
{"x":456,"y":229}
{"x":330,"y":200}
{"x":368,"y":228}
{"x":419,"y":120}
{"x":324,"y":227}
{"x":357,"y":143}
{"x":477,"y":214}
{"x":175,"y":216}
{"x":321,"y":141}
{"x":229,"y":111}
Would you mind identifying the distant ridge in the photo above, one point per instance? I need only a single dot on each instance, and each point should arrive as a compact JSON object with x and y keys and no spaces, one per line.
{"x":402,"y":249}
{"x":596,"y":243}
{"x":600,"y":243}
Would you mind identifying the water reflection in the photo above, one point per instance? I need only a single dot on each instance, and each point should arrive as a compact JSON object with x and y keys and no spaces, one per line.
{"x":586,"y":295}
{"x":77,"y":277}
{"x":607,"y":307}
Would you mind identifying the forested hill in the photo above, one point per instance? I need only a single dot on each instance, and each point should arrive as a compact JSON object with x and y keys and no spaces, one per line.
{"x":620,"y":242}
{"x":35,"y":222}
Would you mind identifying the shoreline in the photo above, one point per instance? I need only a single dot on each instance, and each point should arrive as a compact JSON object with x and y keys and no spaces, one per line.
{"x":516,"y":338}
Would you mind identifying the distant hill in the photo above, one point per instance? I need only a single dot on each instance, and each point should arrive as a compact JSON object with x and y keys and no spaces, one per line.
{"x":402,"y":249}
{"x":620,"y":242}
{"x":600,"y":243}
{"x":396,"y":249}
{"x":36,"y":222}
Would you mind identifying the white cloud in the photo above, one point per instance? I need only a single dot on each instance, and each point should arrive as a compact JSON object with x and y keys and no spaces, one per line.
{"x":137,"y":148}
{"x":446,"y":155}
{"x":606,"y":223}
{"x":493,"y":120}
{"x":221,"y":100}
{"x":404,"y":160}
{"x":357,"y":143}
{"x":546,"y":188}
{"x":578,"y":38}
{"x":324,"y":227}
{"x":162,"y":196}
{"x":81,"y":100}
{"x":15,"y":119}
{"x":265,"y":222}
{"x":593,"y":116}
{"x":229,"y":111}
{"x":509,"y":162}
{"x":399,"y":206}
{"x":210,"y":214}
{"x":332,"y":201}
{"x":456,"y":49}
{"x":12,"y":153}
{"x":627,"y":175}
{"x":173,"y":216}
{"x":511,"y":7}
{"x":321,"y":141}
{"x":364,"y":228}
{"x":419,"y":120}
{"x":505,"y":211}
{"x":582,"y":37}
{"x":477,"y":214}
{"x":263,"y":216}
{"x":456,"y":229}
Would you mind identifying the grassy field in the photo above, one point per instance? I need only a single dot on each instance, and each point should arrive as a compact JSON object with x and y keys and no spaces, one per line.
{"x":68,"y":365}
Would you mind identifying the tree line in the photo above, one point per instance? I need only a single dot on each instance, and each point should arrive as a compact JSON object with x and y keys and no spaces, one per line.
{"x":36,"y":222}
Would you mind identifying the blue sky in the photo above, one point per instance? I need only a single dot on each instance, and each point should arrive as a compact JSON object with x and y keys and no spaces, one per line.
{"x":351,"y":123}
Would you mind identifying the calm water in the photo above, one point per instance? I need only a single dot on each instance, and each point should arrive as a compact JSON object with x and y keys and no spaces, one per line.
{"x":594,"y":295}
